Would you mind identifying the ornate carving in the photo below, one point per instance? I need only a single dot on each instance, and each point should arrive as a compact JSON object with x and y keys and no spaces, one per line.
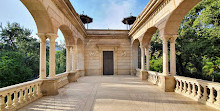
{"x":93,"y":53}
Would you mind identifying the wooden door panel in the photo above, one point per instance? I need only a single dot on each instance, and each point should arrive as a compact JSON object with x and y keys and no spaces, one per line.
{"x":108,"y":65}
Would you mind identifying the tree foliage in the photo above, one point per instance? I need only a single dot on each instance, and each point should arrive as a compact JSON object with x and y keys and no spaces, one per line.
{"x":197,"y":47}
{"x":19,"y":57}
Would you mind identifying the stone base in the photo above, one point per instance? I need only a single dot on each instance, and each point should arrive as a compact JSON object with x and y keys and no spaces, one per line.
{"x":143,"y":75}
{"x":49,"y":87}
{"x":81,"y":73}
{"x":167,"y":83}
{"x":72,"y":77}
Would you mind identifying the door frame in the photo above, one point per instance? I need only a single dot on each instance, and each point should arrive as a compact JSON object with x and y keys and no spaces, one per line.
{"x":113,"y":48}
{"x":112,"y":61}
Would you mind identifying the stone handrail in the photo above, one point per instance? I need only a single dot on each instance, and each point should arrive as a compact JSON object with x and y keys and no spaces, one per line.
{"x":154,"y":77}
{"x":19,"y":95}
{"x":200,"y":90}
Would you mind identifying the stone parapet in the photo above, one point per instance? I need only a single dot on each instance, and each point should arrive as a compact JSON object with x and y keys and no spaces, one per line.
{"x":205,"y":92}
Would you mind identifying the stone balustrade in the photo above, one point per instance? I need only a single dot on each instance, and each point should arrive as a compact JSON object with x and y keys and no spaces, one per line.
{"x":17,"y":96}
{"x":154,"y":77}
{"x":200,"y":90}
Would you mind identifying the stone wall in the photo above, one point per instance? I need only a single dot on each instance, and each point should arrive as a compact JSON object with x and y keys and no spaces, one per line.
{"x":107,"y":40}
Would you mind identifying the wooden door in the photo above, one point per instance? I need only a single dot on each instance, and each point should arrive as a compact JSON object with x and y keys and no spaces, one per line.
{"x":108,"y":63}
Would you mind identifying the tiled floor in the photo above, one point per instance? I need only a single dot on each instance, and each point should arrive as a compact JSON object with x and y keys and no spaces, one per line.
{"x":114,"y":93}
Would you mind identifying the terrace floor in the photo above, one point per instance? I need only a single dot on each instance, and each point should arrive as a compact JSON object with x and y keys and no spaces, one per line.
{"x":114,"y":93}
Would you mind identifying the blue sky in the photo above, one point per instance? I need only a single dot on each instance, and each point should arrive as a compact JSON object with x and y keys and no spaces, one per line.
{"x":105,"y":13}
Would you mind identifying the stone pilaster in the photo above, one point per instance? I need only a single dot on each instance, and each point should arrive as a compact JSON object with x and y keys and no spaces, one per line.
{"x":42,"y":68}
{"x":173,"y":55}
{"x":52,"y":71}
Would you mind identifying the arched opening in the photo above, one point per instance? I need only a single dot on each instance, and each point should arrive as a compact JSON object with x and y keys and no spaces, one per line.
{"x":176,"y":17}
{"x":153,"y":49}
{"x":197,"y":27}
{"x":136,"y":56}
{"x":32,"y":18}
{"x":80,"y":57}
{"x":64,"y":50}
{"x":40,"y":15}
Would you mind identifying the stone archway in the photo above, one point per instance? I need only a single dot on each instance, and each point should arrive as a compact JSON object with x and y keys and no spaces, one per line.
{"x":40,"y":15}
{"x":135,"y":55}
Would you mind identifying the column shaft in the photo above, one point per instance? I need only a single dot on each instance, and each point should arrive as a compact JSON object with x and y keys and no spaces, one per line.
{"x":42,"y":56}
{"x":142,"y":58}
{"x":165,"y":57}
{"x":74,"y":58}
{"x":68,"y":60}
{"x":173,"y":55}
{"x":172,"y":58}
{"x":52,"y":70}
{"x":147,"y":59}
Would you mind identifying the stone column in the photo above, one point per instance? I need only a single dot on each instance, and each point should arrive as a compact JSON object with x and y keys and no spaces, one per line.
{"x":165,"y":56}
{"x":68,"y":59}
{"x":74,"y":58}
{"x":143,"y":73}
{"x":142,"y":58}
{"x":147,"y":59}
{"x":42,"y":55}
{"x":173,"y":56}
{"x":52,"y":71}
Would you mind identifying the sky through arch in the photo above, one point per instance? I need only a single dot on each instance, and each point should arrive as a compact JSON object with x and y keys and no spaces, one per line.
{"x":106,"y":14}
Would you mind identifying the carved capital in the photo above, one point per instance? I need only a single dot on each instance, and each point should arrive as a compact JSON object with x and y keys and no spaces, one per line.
{"x":42,"y":37}
{"x":173,"y":38}
{"x":52,"y":36}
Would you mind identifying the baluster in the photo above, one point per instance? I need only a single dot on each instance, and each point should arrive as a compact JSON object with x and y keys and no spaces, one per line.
{"x":26,"y":95}
{"x":185,"y":88}
{"x":9,"y":102}
{"x":38,"y":90}
{"x":31,"y":93}
{"x":199,"y":93}
{"x":205,"y":94}
{"x":21,"y":96}
{"x":194,"y":90}
{"x":177,"y":85}
{"x":189,"y":88}
{"x":218,"y":97}
{"x":2,"y":104}
{"x":15,"y":101}
{"x":181,"y":86}
{"x":211,"y":95}
{"x":35,"y":91}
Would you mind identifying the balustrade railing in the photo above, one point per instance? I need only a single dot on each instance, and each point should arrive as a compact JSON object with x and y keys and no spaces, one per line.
{"x":200,"y":90}
{"x":17,"y":96}
{"x":154,"y":77}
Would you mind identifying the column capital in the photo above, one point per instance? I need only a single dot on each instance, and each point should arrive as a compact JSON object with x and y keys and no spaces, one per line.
{"x":42,"y":37}
{"x":52,"y":36}
{"x":173,"y":38}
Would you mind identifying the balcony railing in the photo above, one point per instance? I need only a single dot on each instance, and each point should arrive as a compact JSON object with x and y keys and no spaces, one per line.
{"x":200,"y":90}
{"x":17,"y":96}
